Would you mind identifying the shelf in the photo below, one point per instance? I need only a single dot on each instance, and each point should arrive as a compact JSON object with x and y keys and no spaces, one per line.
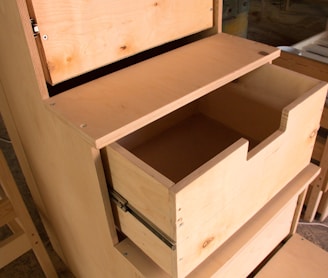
{"x":106,"y":109}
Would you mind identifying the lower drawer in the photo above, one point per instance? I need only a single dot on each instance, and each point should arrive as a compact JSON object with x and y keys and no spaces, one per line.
{"x":297,"y":258}
{"x":194,"y":177}
{"x":242,"y":253}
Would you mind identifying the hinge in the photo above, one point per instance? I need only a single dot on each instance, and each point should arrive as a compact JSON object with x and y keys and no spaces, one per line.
{"x":35,"y":27}
{"x":123,"y":204}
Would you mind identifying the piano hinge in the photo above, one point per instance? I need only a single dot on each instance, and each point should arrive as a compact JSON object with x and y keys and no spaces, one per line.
{"x":126,"y":207}
{"x":35,"y":27}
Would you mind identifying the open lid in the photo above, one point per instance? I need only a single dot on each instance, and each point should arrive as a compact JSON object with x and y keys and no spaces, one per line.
{"x":76,"y":37}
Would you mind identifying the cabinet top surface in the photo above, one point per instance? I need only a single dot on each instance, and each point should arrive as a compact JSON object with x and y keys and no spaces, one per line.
{"x":108,"y":108}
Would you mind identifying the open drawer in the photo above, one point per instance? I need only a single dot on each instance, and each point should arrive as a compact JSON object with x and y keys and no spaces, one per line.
{"x":192,"y":178}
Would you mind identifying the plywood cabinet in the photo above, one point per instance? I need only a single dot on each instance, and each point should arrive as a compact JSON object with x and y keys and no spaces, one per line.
{"x":168,"y":164}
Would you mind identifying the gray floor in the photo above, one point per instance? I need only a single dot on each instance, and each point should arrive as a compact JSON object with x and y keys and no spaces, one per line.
{"x":271,"y":25}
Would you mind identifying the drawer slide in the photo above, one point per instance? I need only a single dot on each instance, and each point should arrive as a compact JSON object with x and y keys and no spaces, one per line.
{"x":124,"y":205}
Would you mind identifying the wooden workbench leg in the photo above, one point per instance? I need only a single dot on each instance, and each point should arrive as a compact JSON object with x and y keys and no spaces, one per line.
{"x":11,"y":191}
{"x":298,"y":211}
{"x":317,"y":187}
{"x":313,"y":201}
{"x":323,"y":207}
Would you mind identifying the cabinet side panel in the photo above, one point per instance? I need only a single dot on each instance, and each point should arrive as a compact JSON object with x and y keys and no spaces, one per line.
{"x":67,"y":171}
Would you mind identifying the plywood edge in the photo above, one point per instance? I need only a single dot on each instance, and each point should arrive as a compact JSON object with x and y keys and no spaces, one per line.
{"x":315,"y":96}
{"x":318,"y":89}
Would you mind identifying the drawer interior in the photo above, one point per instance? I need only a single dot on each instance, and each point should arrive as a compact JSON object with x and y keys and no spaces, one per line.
{"x":182,"y":141}
{"x":193,"y":138}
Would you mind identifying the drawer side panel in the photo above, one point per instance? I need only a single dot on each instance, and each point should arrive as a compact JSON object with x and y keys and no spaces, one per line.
{"x":151,"y":245}
{"x":256,"y":239}
{"x":233,"y":190}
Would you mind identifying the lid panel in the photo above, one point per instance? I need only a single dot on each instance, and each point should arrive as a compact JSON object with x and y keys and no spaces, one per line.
{"x":79,"y":36}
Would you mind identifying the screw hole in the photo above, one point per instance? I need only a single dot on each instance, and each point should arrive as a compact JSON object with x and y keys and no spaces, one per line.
{"x":263,"y":53}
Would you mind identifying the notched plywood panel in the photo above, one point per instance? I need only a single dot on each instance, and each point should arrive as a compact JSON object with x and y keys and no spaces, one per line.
{"x":79,"y":36}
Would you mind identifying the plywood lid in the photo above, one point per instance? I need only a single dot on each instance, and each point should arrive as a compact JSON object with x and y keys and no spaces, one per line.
{"x":76,"y":37}
{"x":108,"y":108}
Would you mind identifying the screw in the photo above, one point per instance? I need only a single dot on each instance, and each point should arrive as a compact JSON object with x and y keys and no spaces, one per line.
{"x":45,"y":37}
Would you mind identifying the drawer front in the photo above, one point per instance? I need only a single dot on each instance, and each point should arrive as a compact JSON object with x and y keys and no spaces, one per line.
{"x":199,"y":174}
{"x":245,"y":250}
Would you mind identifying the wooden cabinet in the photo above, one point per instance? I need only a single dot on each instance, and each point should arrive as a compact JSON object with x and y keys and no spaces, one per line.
{"x":177,"y":164}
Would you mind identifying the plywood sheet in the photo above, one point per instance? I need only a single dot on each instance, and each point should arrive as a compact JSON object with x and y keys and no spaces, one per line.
{"x":106,"y":109}
{"x":79,"y":36}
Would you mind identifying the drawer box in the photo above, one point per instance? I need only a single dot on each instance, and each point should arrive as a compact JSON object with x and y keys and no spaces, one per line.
{"x":195,"y":176}
{"x":249,"y":245}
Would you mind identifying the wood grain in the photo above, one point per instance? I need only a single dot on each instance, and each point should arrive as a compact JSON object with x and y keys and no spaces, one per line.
{"x":108,"y":108}
{"x":77,"y":37}
{"x":234,"y":174}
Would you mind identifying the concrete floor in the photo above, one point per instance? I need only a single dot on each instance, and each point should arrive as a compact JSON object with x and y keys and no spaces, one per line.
{"x":269,"y":24}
